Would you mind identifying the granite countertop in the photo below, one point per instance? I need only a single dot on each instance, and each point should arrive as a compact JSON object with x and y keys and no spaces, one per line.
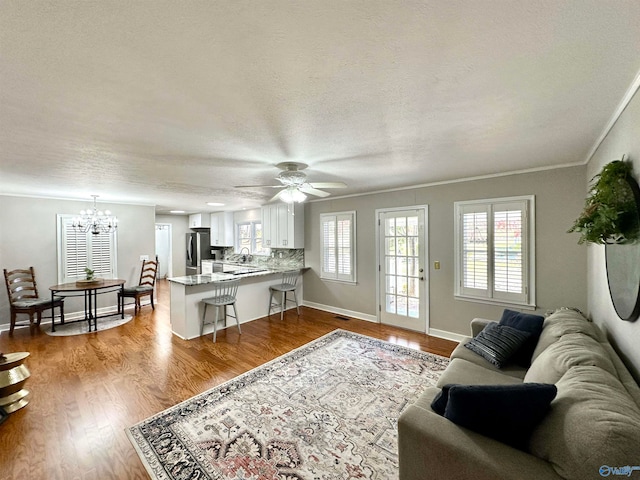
{"x":246,"y":271}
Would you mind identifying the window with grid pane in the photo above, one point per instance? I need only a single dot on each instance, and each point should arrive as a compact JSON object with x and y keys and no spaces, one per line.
{"x":338,"y":246}
{"x":249,"y":235}
{"x":495,"y":250}
{"x":80,"y":250}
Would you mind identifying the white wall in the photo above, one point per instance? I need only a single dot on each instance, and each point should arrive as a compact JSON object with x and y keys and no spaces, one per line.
{"x":624,"y":138}
{"x":560,"y":263}
{"x":28,"y":238}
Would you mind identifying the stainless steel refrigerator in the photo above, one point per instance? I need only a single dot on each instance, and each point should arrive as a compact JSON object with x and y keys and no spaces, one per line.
{"x":198,"y":249}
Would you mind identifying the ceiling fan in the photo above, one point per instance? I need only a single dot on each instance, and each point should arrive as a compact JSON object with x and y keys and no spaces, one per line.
{"x":294,"y":185}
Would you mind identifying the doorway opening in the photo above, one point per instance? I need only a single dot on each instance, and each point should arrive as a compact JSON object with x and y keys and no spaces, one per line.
{"x":163,"y":250}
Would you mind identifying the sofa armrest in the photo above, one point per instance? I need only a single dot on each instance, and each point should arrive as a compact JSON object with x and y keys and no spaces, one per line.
{"x":434,"y":448}
{"x":477,"y":324}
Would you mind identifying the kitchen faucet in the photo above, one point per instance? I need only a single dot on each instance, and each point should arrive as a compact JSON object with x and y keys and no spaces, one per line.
{"x":247,"y":256}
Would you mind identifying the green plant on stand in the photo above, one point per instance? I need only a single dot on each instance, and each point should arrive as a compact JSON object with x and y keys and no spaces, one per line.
{"x":610,"y":213}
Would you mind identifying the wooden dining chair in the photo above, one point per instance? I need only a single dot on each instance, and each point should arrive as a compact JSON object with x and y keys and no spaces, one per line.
{"x":22,"y":291}
{"x":145,"y":286}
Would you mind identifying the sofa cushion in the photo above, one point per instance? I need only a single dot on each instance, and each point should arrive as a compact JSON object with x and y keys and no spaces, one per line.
{"x":592,"y":422}
{"x":464,"y":353}
{"x":527,"y":323}
{"x":497,"y":343}
{"x":507,"y":413}
{"x":570,"y":350}
{"x":563,"y":322}
{"x":469,"y":373}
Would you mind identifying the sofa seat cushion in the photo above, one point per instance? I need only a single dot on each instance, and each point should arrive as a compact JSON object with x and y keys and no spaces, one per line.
{"x":593,"y":422}
{"x":469,"y":373}
{"x":464,"y":353}
{"x":564,"y":322}
{"x":570,"y":350}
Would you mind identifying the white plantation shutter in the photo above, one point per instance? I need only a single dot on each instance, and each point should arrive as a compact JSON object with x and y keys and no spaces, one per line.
{"x":79,"y":250}
{"x":494,"y":245}
{"x":337,"y":241}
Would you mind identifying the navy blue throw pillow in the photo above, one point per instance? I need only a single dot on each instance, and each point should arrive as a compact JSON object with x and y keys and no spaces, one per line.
{"x":497,"y":343}
{"x":507,"y":413}
{"x":525,"y":322}
{"x":439,"y":403}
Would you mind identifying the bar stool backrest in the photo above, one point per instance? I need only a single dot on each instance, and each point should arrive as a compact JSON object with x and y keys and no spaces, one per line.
{"x":224,"y":292}
{"x":289,"y":279}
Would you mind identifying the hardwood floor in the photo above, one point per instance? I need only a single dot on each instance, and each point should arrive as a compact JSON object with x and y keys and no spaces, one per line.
{"x":86,"y":389}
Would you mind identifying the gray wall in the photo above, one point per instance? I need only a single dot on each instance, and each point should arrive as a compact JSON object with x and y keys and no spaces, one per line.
{"x":560,"y":262}
{"x":624,"y":138}
{"x":179,"y":230}
{"x":28,"y":238}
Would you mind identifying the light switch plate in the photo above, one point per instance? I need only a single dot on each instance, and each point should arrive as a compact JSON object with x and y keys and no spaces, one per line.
{"x":436,"y":265}
{"x":144,"y":257}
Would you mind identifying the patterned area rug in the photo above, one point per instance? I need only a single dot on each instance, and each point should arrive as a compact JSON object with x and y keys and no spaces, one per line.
{"x":81,"y":327}
{"x":327,"y":410}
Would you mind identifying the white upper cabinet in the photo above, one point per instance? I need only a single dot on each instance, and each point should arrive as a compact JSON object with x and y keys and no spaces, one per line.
{"x":199,"y":220}
{"x":222,"y":229}
{"x":283,"y":225}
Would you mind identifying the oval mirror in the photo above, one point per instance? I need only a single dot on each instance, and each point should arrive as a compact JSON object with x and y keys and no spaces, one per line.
{"x":623,"y":270}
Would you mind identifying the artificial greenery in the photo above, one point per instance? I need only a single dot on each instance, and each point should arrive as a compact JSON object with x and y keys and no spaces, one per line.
{"x":610,"y":213}
{"x":90,"y":273}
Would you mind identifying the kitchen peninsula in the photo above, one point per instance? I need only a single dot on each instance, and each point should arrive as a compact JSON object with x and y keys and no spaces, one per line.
{"x":252,"y":301}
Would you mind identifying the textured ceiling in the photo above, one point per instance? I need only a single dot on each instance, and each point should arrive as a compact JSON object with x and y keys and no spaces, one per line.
{"x":172,"y":103}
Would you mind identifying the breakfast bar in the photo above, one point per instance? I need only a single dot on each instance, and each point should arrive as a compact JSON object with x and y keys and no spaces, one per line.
{"x":252,"y":299}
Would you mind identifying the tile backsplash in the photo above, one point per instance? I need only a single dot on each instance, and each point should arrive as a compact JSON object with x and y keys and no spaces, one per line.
{"x":285,"y":257}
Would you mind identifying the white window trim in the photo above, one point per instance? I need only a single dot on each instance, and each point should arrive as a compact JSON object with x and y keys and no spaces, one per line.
{"x":529,"y":257}
{"x":63,"y":219}
{"x":252,"y":250}
{"x":336,"y":277}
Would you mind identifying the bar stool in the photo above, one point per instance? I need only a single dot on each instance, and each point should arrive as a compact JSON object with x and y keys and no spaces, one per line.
{"x":224,"y":293}
{"x":288,"y":284}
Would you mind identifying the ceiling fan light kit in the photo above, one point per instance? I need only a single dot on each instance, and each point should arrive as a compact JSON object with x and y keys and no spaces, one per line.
{"x":294,"y":184}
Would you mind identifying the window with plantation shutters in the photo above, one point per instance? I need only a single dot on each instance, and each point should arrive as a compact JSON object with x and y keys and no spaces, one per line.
{"x":80,"y":250}
{"x":495,"y":250}
{"x":338,"y":246}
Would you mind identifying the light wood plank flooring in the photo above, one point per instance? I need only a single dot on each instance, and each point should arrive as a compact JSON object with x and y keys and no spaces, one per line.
{"x":86,"y":389}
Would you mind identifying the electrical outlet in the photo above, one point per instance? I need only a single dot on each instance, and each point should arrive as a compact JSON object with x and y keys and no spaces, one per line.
{"x":144,"y":257}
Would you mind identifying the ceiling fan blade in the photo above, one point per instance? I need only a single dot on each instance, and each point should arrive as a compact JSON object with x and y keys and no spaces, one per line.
{"x":328,"y":185}
{"x":313,"y":191}
{"x":258,"y":186}
{"x":276,"y":197}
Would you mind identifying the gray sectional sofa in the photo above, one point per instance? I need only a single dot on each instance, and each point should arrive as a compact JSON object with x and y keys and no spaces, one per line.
{"x":592,"y":429}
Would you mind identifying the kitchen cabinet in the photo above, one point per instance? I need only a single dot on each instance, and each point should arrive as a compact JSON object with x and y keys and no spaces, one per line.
{"x":199,"y":220}
{"x":222,"y":229}
{"x":283,"y":225}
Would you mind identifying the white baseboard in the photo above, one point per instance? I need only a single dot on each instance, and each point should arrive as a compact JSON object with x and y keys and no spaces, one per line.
{"x":341,"y":311}
{"x":455,"y":337}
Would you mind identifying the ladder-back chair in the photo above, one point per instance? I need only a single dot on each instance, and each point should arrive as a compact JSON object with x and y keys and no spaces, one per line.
{"x":22,"y":290}
{"x":145,"y":287}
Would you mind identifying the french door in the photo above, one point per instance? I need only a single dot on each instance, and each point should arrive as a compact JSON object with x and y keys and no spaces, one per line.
{"x":402,"y":279}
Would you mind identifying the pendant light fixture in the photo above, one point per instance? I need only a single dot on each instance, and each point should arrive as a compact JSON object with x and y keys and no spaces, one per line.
{"x":95,"y":221}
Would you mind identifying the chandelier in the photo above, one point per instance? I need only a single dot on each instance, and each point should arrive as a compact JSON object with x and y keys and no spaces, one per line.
{"x":95,"y":221}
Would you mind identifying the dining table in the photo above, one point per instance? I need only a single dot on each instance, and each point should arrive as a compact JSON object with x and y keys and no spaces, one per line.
{"x":90,"y":291}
